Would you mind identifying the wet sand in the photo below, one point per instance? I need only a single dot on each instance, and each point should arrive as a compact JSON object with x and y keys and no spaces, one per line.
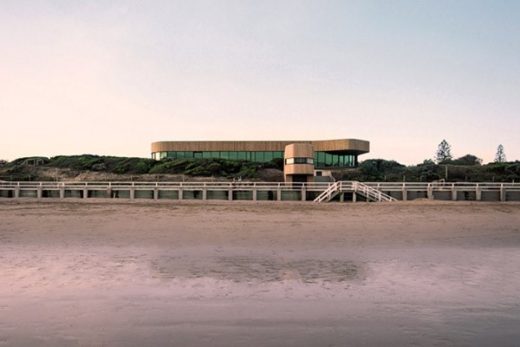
{"x":101,"y":273}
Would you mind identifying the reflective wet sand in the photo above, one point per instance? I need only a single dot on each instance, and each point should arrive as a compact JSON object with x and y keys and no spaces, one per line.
{"x":259,"y":274}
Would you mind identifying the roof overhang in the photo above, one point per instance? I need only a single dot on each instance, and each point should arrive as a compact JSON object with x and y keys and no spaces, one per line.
{"x":353,"y":146}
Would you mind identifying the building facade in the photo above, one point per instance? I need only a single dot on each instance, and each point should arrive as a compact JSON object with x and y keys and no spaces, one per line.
{"x":327,"y":153}
{"x":298,"y":166}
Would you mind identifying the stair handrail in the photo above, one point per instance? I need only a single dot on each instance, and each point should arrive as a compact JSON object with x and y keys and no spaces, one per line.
{"x":327,"y":193}
{"x":373,"y":193}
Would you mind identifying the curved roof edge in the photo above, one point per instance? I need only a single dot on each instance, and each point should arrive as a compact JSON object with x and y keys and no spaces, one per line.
{"x":338,"y":145}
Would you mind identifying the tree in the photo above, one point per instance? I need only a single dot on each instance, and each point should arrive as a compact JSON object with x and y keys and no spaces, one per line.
{"x":443,"y":152}
{"x":468,"y":159}
{"x":380,"y":169}
{"x":427,"y":162}
{"x":500,"y":157}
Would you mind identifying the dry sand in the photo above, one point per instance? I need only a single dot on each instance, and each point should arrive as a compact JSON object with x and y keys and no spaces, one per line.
{"x":259,"y":274}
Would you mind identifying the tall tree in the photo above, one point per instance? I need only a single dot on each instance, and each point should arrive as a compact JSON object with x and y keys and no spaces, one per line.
{"x":443,"y":152}
{"x":500,"y":157}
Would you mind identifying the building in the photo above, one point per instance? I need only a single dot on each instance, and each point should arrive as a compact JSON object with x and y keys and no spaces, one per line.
{"x":341,"y":153}
{"x":298,"y":163}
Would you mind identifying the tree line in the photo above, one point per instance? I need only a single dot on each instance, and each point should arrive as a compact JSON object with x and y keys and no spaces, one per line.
{"x":444,"y":156}
{"x":442,"y":167}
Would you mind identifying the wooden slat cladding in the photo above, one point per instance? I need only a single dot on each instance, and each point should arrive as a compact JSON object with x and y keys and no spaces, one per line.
{"x":297,"y":150}
{"x":359,"y":146}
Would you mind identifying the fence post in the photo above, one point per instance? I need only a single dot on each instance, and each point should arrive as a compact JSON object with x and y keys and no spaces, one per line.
{"x":478,"y":193}
{"x":39,"y":191}
{"x":430,"y":191}
{"x":453,"y":192}
{"x":132,"y":192}
{"x":156,"y":191}
{"x":17,"y":191}
{"x":502,"y":193}
{"x":404,"y":192}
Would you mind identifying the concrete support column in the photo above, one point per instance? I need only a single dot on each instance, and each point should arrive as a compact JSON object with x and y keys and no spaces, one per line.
{"x":255,"y":198}
{"x":132,"y":191}
{"x":230,"y":192}
{"x":341,"y":197}
{"x":62,"y":192}
{"x":109,"y":192}
{"x":180,"y":194}
{"x":304,"y":193}
{"x":502,"y":193}
{"x":279,"y":193}
{"x":156,"y":193}
{"x":453,"y":192}
{"x":354,"y":196}
{"x":85,"y":193}
{"x":478,"y":193}
{"x":39,"y":192}
{"x":204,"y":192}
{"x":430,"y":191}
{"x":404,"y":192}
{"x":17,"y":191}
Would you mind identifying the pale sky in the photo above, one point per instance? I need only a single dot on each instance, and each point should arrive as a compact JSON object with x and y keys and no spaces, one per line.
{"x":110,"y":77}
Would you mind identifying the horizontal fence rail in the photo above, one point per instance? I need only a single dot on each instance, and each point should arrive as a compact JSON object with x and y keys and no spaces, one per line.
{"x":244,"y":190}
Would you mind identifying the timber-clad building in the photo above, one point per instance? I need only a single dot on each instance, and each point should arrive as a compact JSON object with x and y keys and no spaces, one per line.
{"x":327,"y":153}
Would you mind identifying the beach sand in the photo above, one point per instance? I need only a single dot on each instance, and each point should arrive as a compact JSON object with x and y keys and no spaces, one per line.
{"x":104,"y":273}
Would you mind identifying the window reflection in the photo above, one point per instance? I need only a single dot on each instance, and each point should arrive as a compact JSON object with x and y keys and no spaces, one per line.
{"x":321,"y":159}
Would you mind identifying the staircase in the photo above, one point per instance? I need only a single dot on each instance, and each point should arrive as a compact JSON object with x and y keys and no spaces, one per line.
{"x":329,"y":193}
{"x":354,"y":187}
{"x":370,"y":193}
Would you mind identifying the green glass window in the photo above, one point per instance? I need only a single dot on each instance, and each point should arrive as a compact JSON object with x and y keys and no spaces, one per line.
{"x":321,"y":159}
{"x":186,"y":155}
{"x":335,"y":160}
{"x":328,"y":159}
